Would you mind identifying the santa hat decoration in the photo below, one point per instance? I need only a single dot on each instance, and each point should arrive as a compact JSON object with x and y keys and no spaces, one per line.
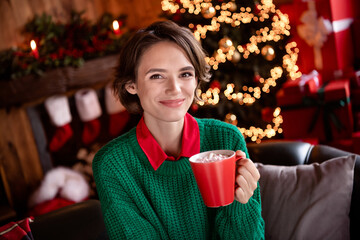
{"x":118,"y":115}
{"x":89,"y":109}
{"x":61,"y":186}
{"x":59,"y":113}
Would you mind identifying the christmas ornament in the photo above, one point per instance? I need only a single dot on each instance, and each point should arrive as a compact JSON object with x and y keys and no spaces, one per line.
{"x":233,"y":6}
{"x":257,"y":77}
{"x":118,"y":115}
{"x":257,"y":8}
{"x":194,"y":107}
{"x":225,"y":44}
{"x":60,"y":116}
{"x":268,"y":52}
{"x":88,"y":107}
{"x":267,"y":114}
{"x":231,"y":118}
{"x":236,"y":57}
{"x":215,"y":84}
{"x":208,"y":12}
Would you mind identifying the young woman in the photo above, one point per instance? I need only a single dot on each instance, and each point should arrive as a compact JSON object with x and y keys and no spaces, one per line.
{"x":144,"y":180}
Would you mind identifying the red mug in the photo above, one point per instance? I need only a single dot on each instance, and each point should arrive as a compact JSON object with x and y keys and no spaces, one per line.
{"x":215,"y":179}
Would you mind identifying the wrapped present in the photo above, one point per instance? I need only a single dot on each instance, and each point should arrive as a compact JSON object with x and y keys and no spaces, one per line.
{"x":357,"y":120}
{"x":326,"y":115}
{"x":322,"y":31}
{"x":356,"y":35}
{"x":351,"y":144}
{"x":355,"y":97}
{"x":356,"y":142}
{"x":306,"y":84}
{"x":356,"y":77}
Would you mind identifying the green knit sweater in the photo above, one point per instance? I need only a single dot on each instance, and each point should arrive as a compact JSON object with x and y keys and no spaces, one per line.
{"x":140,"y":203}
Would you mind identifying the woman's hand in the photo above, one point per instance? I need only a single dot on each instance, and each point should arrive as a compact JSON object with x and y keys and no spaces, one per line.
{"x":246,"y":179}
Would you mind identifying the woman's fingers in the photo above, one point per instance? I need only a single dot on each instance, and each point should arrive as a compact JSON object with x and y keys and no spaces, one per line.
{"x":246,"y":179}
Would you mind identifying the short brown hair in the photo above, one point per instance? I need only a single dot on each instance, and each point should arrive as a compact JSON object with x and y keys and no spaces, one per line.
{"x":130,"y":55}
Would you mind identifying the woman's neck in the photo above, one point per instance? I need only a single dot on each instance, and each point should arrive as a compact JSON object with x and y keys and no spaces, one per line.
{"x":167,"y":134}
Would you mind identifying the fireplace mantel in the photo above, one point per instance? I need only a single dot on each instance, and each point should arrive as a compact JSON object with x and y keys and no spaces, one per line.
{"x":32,"y":89}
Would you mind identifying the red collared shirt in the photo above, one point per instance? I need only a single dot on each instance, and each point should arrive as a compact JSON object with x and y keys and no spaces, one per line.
{"x":190,"y":142}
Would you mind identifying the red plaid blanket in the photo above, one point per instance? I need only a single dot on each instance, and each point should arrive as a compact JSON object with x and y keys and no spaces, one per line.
{"x":17,"y":230}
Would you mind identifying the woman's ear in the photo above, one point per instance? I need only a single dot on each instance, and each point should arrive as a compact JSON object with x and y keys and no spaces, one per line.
{"x":131,"y":88}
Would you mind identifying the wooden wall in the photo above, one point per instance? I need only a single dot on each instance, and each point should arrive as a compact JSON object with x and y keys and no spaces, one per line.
{"x":14,"y":14}
{"x":20,"y":170}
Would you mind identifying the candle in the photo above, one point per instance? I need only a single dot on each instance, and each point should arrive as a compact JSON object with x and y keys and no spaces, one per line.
{"x":34,"y":49}
{"x":116,"y":27}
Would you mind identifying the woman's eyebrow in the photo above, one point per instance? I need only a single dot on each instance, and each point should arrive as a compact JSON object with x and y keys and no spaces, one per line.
{"x":155,"y":70}
{"x":188,"y":68}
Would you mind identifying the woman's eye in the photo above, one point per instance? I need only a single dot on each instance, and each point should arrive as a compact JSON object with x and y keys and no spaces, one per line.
{"x":155,"y":76}
{"x":187,"y":74}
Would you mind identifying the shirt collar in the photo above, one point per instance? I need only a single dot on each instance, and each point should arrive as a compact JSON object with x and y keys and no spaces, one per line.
{"x":190,"y":142}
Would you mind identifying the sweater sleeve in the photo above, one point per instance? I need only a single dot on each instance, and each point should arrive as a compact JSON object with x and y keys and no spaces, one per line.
{"x":237,"y":220}
{"x":122,"y":217}
{"x":241,"y":221}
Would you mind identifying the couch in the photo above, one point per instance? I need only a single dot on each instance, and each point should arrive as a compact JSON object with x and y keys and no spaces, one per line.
{"x":84,"y":220}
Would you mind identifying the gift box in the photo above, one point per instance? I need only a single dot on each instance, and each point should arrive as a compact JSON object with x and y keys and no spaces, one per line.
{"x":351,"y":145}
{"x":322,"y":31}
{"x":326,"y":115}
{"x":356,"y":76}
{"x":356,"y":36}
{"x":306,"y":84}
{"x":356,"y":142}
{"x":355,"y":97}
{"x":357,"y":120}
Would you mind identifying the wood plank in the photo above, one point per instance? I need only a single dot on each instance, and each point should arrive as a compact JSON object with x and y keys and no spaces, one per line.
{"x":21,"y":161}
{"x":9,"y":34}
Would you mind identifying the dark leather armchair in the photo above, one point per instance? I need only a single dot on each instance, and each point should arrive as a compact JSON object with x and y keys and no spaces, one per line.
{"x":80,"y":221}
{"x":295,"y":153}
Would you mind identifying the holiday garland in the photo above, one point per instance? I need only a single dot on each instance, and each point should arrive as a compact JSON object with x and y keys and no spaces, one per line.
{"x":62,"y":45}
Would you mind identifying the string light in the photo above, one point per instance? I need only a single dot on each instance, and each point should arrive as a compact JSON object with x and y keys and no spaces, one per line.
{"x":225,"y":13}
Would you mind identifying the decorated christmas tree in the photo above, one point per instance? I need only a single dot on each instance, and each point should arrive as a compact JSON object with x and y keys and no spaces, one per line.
{"x":250,"y":54}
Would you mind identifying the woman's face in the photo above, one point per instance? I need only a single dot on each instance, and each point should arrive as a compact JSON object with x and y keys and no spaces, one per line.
{"x":165,"y":82}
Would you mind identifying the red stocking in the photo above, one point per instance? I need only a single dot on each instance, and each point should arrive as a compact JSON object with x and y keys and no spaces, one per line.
{"x":61,"y":136}
{"x":91,"y":131}
{"x":117,"y":122}
{"x":59,"y":113}
{"x":89,"y":109}
{"x":118,"y":115}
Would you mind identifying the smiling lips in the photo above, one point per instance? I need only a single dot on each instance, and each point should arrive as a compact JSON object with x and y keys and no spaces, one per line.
{"x":172,"y":103}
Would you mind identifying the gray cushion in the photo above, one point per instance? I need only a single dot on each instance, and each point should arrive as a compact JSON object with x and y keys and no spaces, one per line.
{"x":307,"y":201}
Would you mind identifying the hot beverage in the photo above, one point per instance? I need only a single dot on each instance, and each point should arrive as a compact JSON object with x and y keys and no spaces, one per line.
{"x":212,"y":157}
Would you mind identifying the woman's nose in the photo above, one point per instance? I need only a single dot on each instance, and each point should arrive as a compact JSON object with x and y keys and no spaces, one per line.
{"x":173,"y":85}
